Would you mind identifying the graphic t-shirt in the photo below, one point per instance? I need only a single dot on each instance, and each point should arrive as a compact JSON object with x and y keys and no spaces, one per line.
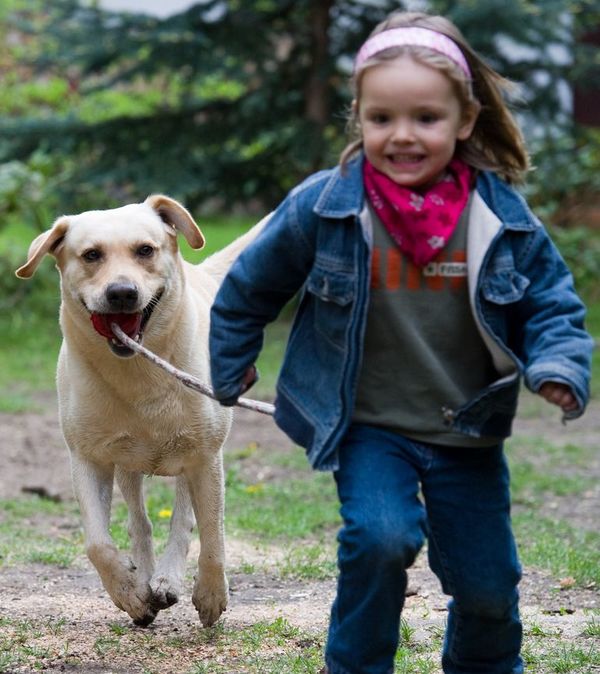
{"x":422,"y":352}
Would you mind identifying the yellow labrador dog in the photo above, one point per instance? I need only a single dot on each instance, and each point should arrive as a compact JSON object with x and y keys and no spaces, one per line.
{"x":121,"y":417}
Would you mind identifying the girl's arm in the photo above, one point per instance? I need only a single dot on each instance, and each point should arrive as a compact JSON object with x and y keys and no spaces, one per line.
{"x":554,"y":345}
{"x":262,"y":280}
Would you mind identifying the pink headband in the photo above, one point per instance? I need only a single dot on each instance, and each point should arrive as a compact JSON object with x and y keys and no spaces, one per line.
{"x":412,"y":37}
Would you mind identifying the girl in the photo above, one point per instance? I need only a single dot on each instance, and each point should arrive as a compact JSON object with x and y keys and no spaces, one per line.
{"x":427,"y":289}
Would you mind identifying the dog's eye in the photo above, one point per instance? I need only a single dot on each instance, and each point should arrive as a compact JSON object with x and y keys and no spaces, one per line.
{"x":91,"y":255}
{"x":145,"y":251}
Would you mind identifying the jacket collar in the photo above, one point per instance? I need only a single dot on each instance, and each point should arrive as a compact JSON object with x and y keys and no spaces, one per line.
{"x":343,"y":194}
{"x":505,"y":202}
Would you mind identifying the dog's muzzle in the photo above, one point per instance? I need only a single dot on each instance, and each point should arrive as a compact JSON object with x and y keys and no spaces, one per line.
{"x":122,"y":299}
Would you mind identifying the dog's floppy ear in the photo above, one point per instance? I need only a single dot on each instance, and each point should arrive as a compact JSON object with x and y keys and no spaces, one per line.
{"x":47,"y":242}
{"x":175,"y":215}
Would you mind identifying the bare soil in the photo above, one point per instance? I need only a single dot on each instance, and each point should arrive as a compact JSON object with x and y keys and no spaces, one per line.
{"x":33,"y":458}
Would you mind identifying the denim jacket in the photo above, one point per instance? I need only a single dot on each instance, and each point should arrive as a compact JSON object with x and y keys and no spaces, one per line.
{"x":318,"y":244}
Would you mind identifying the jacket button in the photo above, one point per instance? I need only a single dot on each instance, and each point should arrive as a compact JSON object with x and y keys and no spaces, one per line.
{"x":448,"y":414}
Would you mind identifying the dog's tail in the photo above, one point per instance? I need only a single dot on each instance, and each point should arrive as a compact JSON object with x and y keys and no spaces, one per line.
{"x":218,"y":264}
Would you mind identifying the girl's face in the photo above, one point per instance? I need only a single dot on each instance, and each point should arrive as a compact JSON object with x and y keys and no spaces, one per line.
{"x":411,"y":118}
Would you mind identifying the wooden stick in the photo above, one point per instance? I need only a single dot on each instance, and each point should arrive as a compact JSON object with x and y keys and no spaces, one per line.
{"x":185,"y":378}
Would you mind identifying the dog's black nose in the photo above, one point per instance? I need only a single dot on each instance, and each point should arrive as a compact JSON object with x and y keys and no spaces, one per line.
{"x":122,"y":297}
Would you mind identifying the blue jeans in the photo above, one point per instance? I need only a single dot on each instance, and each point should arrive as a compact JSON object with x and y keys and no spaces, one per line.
{"x":466,"y":518}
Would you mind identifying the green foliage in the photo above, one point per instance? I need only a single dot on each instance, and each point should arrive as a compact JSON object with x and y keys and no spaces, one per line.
{"x":566,"y":167}
{"x":581,"y":249}
{"x":230,"y":101}
{"x":208,"y":103}
{"x":28,"y":189}
{"x":523,"y":40}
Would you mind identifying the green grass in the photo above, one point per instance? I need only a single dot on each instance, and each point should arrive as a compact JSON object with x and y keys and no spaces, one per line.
{"x":540,"y":469}
{"x":293,"y":509}
{"x":48,"y":532}
{"x":25,"y":536}
{"x":562,"y":658}
{"x":543,"y":476}
{"x":28,"y":353}
{"x":558,"y":547}
{"x":159,"y":503}
{"x":283,"y":510}
{"x":218,"y":232}
{"x":593,"y":326}
{"x":266,"y":647}
{"x":592,"y":628}
{"x":543,"y":652}
{"x":300,"y":514}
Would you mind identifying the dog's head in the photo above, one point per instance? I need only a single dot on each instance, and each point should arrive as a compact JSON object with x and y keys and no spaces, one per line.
{"x":117,"y":264}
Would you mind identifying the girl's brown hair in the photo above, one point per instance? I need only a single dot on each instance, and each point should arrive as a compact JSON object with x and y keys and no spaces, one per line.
{"x":496,"y":143}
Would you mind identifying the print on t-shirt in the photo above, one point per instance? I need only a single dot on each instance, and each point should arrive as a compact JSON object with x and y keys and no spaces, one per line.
{"x":391,"y":270}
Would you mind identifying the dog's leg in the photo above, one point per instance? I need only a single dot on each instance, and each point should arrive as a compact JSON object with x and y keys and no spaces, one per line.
{"x":167,"y":582}
{"x":139,"y":526}
{"x":206,"y":484}
{"x":93,"y":488}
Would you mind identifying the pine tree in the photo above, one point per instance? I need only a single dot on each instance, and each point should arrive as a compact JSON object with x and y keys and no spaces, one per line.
{"x":229,"y":99}
{"x":234,"y":100}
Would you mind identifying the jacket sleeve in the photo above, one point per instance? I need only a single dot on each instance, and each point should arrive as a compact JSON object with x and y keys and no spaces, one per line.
{"x":261,"y":281}
{"x":554,"y":343}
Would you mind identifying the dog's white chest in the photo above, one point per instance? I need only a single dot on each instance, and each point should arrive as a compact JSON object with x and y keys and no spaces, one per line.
{"x":153,"y":456}
{"x":156,"y":435}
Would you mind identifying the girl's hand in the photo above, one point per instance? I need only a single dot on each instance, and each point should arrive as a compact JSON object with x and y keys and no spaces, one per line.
{"x":559,"y":394}
{"x":249,"y":379}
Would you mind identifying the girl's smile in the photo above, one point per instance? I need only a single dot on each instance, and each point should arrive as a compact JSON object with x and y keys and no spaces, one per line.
{"x":411,"y":119}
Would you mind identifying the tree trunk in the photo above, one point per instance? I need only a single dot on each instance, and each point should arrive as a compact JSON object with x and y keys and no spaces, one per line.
{"x":317,"y":107}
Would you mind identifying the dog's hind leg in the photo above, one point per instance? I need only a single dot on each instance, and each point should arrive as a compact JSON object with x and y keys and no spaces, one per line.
{"x":167,"y":582}
{"x":211,"y":591}
{"x":93,"y":486}
{"x":139,"y":527}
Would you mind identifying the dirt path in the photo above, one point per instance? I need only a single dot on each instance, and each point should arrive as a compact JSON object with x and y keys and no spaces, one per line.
{"x":33,"y":457}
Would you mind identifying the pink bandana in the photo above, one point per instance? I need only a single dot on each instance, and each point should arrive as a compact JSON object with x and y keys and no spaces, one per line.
{"x":421,"y":224}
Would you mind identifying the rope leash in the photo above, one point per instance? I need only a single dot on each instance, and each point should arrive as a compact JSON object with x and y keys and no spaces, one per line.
{"x":185,"y":378}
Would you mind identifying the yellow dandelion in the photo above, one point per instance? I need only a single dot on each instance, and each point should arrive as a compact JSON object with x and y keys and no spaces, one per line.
{"x":165,"y":513}
{"x":254,"y":488}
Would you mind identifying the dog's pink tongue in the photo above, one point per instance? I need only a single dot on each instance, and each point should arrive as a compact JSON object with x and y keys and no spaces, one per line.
{"x":129,"y":323}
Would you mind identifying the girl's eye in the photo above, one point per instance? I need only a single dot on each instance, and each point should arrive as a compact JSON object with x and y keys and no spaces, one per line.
{"x":92,"y":255}
{"x":145,"y":251}
{"x":428,"y":118}
{"x":380,"y":119}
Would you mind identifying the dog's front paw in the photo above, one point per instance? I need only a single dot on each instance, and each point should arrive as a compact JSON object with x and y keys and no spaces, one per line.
{"x":165,"y":591}
{"x":119,"y":576}
{"x":210,"y":596}
{"x":133,"y":597}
